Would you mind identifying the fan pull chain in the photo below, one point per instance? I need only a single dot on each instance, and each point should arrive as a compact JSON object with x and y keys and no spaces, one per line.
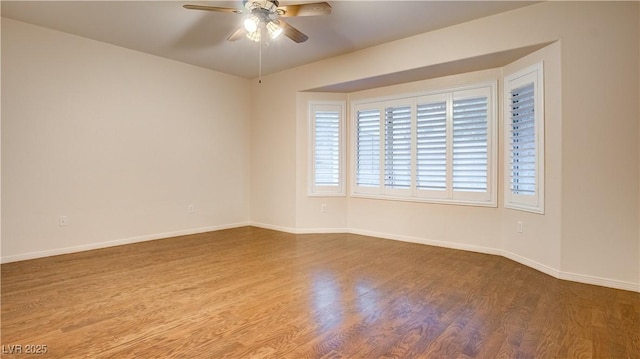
{"x":260,"y":62}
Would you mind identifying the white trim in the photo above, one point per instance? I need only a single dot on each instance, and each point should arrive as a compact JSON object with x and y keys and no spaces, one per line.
{"x":531,"y":263}
{"x":420,"y":199}
{"x":573,"y":277}
{"x":322,"y":230}
{"x":603,"y":282}
{"x":426,"y":241}
{"x":117,"y":242}
{"x":273,"y":227}
{"x":299,"y":230}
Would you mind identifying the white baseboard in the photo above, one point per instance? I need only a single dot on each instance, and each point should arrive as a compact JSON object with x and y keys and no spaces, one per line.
{"x":273,"y":227}
{"x":430,"y":242}
{"x":531,"y":263}
{"x":117,"y":242}
{"x":574,"y":277}
{"x":299,"y":230}
{"x":321,"y":230}
{"x":603,"y":282}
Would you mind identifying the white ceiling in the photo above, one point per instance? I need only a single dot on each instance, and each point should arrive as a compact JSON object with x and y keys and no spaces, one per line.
{"x":165,"y":29}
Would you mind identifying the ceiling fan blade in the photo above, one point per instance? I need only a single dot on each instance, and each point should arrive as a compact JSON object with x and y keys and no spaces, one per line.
{"x":213,"y":8}
{"x":292,"y":33}
{"x":312,"y":9}
{"x":238,"y":34}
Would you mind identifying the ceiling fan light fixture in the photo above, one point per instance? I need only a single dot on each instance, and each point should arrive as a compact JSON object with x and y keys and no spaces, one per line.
{"x":274,"y":29}
{"x":254,"y":36}
{"x":251,"y":24}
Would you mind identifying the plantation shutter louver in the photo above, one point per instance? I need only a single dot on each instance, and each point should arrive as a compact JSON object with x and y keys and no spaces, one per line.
{"x":397,"y":168}
{"x":470,"y":157}
{"x":522,"y":140}
{"x":431,"y":166}
{"x":368,"y":148}
{"x":327,"y":148}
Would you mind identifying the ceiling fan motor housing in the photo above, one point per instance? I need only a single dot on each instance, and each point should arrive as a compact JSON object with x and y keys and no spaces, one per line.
{"x":270,"y":6}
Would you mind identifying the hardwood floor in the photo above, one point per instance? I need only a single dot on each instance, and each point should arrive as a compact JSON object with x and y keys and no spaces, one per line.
{"x":255,"y":293}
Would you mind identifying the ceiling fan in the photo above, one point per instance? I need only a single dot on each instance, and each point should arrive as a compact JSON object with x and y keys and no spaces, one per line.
{"x":266,"y":15}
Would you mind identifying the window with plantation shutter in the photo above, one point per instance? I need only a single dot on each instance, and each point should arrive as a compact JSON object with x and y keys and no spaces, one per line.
{"x":397,"y":159}
{"x":327,"y":149}
{"x":431,"y":146}
{"x":368,"y":148}
{"x":470,"y":140}
{"x":524,"y":137}
{"x":436,"y":147}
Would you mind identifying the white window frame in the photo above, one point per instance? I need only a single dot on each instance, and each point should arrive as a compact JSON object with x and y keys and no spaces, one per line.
{"x":315,"y":190}
{"x":448,"y":196}
{"x":530,"y":203}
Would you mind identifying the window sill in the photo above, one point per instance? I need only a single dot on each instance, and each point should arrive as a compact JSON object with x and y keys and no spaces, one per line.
{"x":337,"y":194}
{"x":456,"y":202}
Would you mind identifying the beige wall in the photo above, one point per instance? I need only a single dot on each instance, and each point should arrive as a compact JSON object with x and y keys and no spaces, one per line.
{"x":590,"y":230}
{"x":600,"y":65}
{"x":273,"y":156}
{"x":118,"y":141}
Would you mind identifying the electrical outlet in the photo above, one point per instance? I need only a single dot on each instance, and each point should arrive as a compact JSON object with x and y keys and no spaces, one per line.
{"x":63,"y":221}
{"x":520,"y":227}
{"x":323,"y":207}
{"x":191,"y":209}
